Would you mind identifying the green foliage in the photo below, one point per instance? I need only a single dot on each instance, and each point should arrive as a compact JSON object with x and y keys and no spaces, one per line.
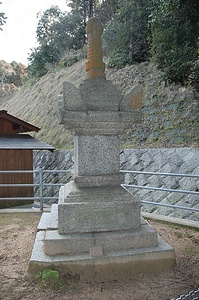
{"x":194,"y":74}
{"x":71,"y":57}
{"x":190,"y":250}
{"x":41,"y":58}
{"x":72,"y":286}
{"x":174,"y":36}
{"x":128,"y":33}
{"x":106,"y":10}
{"x":52,"y":39}
{"x":58,"y":34}
{"x":86,"y":8}
{"x":117,"y":60}
{"x":49,"y":278}
{"x":165,"y":31}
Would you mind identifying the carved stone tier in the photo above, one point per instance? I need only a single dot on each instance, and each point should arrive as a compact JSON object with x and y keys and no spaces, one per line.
{"x":96,"y":209}
{"x":96,"y":122}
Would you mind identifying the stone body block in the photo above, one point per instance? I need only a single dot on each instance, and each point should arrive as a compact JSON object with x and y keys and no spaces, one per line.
{"x":96,"y":155}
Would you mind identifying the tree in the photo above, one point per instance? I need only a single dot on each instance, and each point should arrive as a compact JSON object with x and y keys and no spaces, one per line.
{"x":87,"y":8}
{"x":40,"y":60}
{"x":57,"y":33}
{"x":127,"y":35}
{"x":174,"y":25}
{"x":2,"y":18}
{"x":107,"y":9}
{"x":45,"y":29}
{"x":82,"y":10}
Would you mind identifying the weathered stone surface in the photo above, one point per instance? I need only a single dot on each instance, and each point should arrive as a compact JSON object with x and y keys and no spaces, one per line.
{"x":71,"y":193}
{"x":96,"y":122}
{"x":124,"y":264}
{"x":96,"y":155}
{"x":96,"y":209}
{"x":98,"y":181}
{"x":96,"y":251}
{"x":92,"y":217}
{"x":69,"y":244}
{"x":72,"y":98}
{"x":100,"y":95}
{"x":99,"y":243}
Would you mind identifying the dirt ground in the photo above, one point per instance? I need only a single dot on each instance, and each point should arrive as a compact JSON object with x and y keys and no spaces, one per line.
{"x":17,"y":233}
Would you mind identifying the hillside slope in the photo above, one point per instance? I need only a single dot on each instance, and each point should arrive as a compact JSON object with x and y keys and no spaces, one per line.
{"x":170,"y":112}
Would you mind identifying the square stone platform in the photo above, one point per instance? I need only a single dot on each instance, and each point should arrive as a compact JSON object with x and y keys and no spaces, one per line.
{"x":99,"y":256}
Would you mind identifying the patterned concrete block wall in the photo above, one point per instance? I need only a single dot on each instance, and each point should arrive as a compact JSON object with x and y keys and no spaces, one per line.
{"x":164,"y":160}
{"x":57,"y":160}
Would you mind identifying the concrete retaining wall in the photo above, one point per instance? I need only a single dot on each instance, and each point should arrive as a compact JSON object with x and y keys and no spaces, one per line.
{"x":165,"y":160}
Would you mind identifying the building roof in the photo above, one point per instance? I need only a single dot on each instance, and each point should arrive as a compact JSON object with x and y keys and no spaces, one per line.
{"x":18,"y":124}
{"x":22,"y":142}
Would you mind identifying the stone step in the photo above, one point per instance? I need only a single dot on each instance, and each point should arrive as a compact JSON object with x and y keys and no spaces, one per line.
{"x":102,"y":242}
{"x":113,"y":265}
{"x":49,"y":220}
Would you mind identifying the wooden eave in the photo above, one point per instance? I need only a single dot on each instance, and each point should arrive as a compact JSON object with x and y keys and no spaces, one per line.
{"x":19,"y":126}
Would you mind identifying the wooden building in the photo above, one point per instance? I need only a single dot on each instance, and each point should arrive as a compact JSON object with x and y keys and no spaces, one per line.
{"x":16,"y":153}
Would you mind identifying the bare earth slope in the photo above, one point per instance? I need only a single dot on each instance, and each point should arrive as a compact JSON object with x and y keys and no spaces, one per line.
{"x":37,"y":104}
{"x":170,"y":112}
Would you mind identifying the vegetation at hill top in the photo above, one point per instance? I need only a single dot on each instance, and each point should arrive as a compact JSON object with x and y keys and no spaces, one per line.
{"x":165,"y":32}
{"x":154,"y":43}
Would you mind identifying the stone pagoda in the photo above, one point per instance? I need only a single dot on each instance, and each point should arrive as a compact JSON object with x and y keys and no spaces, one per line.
{"x":96,"y":230}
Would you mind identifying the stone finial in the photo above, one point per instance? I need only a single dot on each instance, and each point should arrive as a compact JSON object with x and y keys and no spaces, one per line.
{"x":95,"y":66}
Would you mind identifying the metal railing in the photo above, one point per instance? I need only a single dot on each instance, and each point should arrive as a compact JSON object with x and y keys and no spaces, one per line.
{"x":126,"y":186}
{"x":42,"y":184}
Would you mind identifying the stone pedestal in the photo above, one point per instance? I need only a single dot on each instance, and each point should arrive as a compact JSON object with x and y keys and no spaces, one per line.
{"x":101,"y":209}
{"x":99,"y":256}
{"x":96,"y":230}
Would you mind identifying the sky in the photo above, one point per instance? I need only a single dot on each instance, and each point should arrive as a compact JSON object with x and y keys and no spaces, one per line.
{"x":19,"y":31}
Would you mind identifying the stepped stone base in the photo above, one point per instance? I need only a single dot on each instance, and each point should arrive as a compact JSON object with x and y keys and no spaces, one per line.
{"x":96,"y":209}
{"x":99,"y":256}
